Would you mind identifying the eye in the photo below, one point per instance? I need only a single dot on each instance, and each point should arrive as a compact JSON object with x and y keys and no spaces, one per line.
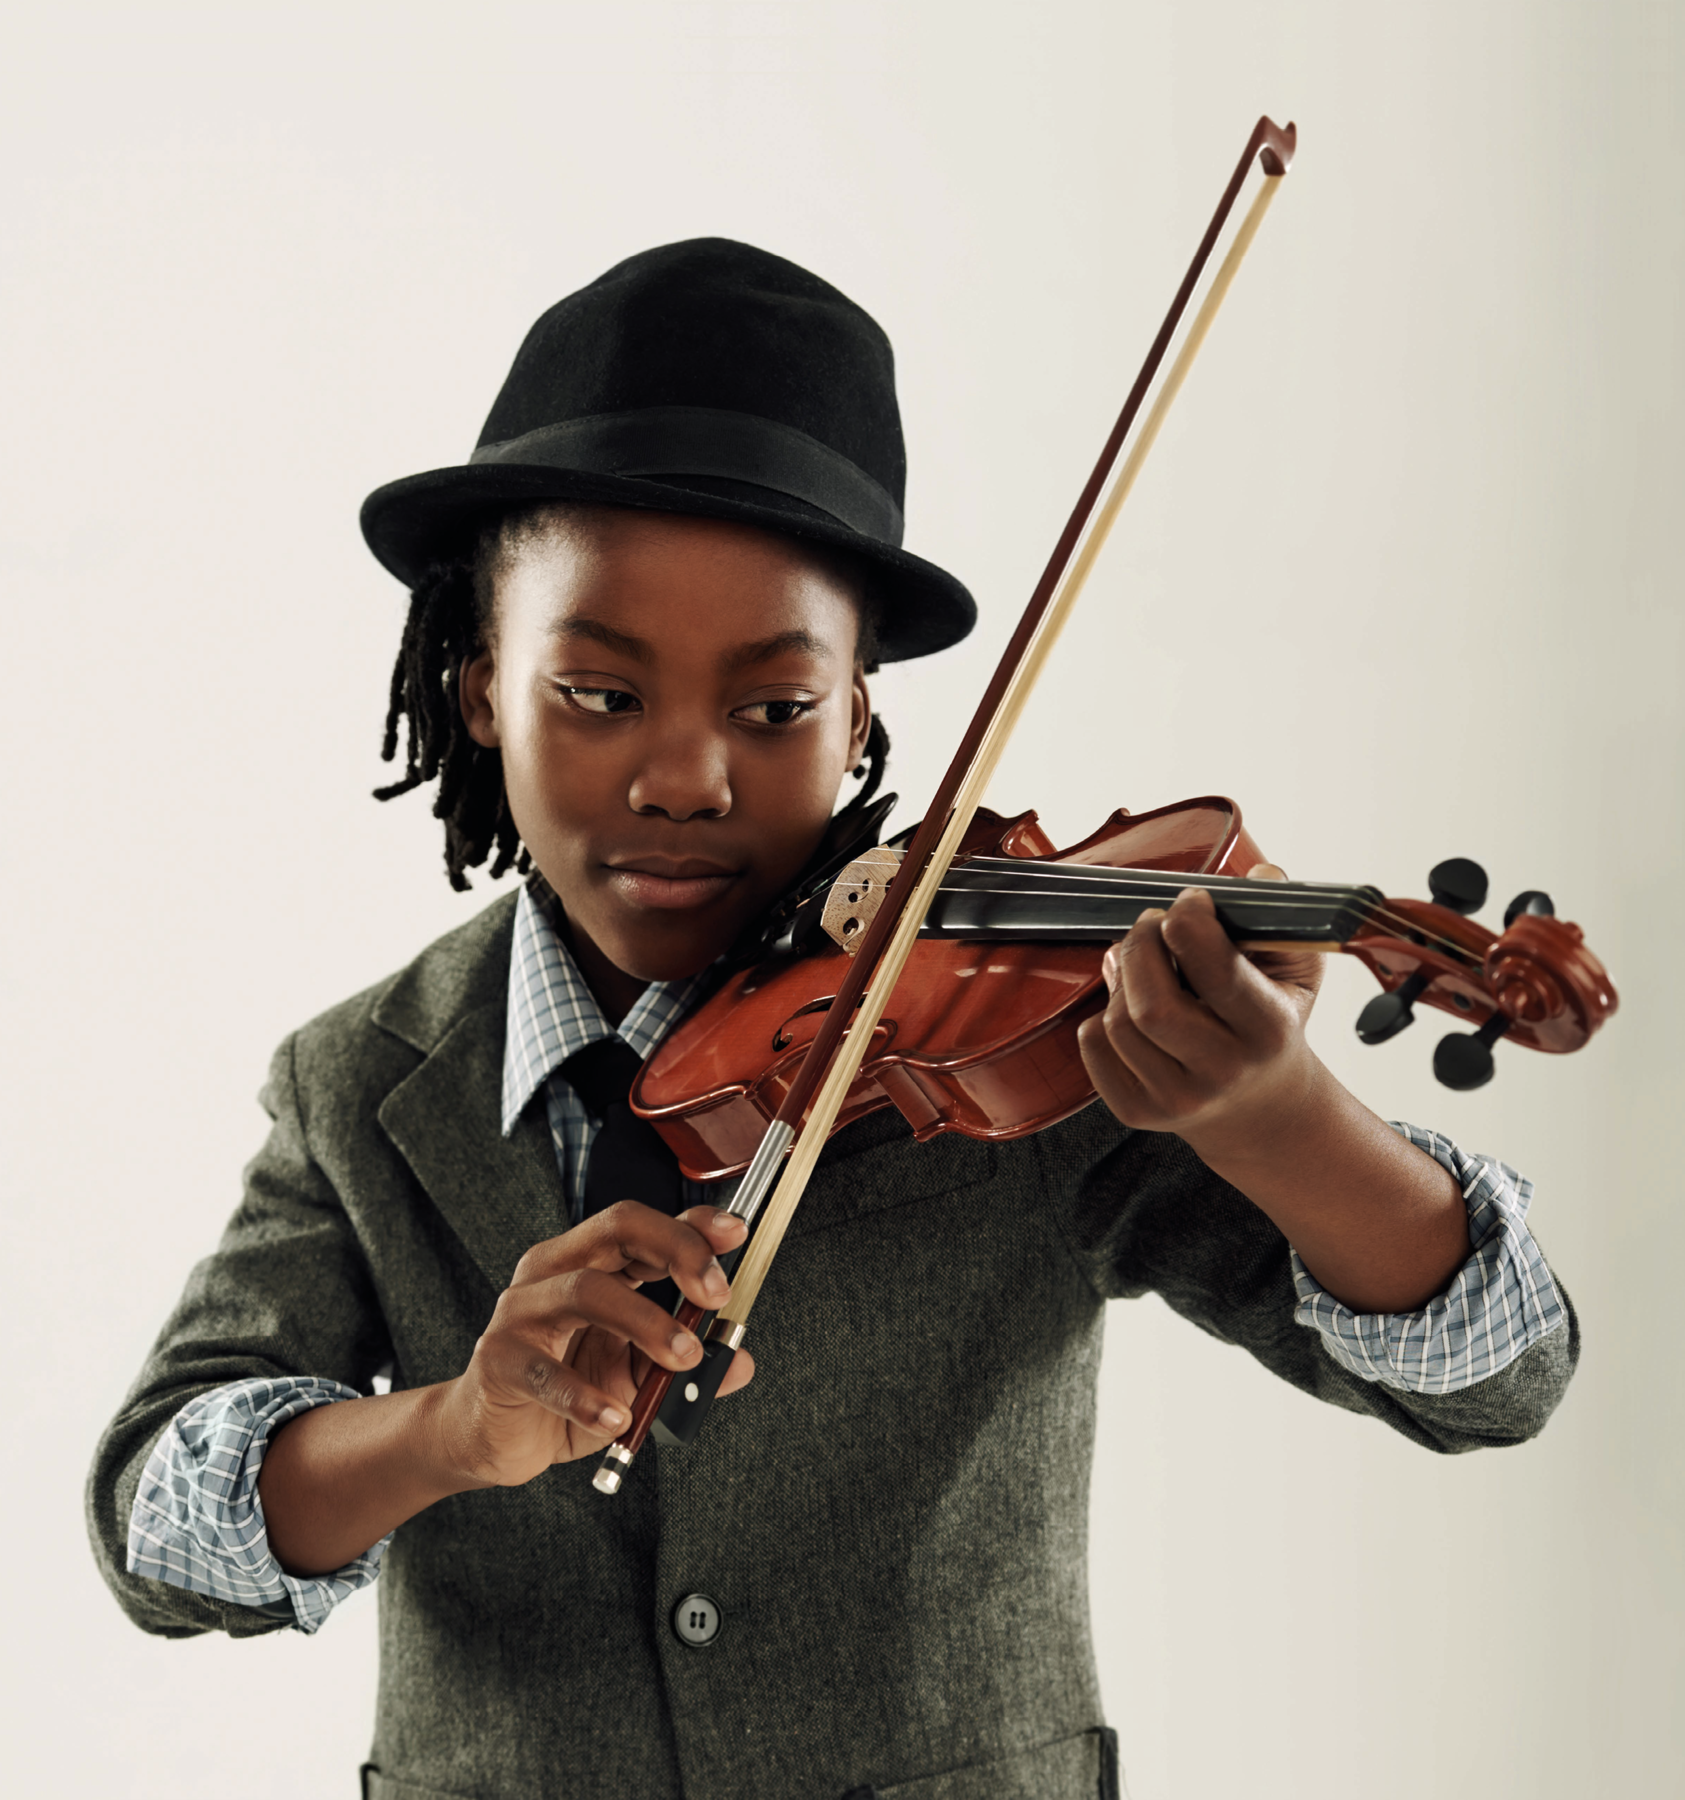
{"x":601,"y":701}
{"x":774,"y":712}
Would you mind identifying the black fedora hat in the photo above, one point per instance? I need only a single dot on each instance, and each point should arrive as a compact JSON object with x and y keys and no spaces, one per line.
{"x":708,"y":378}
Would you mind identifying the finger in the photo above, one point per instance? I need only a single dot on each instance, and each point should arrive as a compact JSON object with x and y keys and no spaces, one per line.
{"x":684,"y":1250}
{"x":559,"y":1389}
{"x":724,"y":1230}
{"x":1174,"y":1021}
{"x":548,"y":1312}
{"x":610,"y":1239}
{"x":1266,"y":872}
{"x":1127,"y":1068}
{"x":1114,"y":1081}
{"x":636,"y":1239}
{"x":1297,"y":973}
{"x":1235,"y":995}
{"x":739,"y":1375}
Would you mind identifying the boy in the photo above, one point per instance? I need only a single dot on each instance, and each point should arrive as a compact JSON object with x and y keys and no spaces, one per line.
{"x":636,"y":661}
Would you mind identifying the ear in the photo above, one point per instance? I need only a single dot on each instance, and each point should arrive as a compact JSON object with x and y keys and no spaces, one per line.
{"x":861,"y":722}
{"x":475,"y":685}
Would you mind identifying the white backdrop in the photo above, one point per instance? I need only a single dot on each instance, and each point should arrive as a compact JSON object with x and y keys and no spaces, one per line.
{"x":1400,"y":577}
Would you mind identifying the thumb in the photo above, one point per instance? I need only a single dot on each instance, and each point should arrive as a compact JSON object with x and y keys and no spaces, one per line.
{"x":1287,"y":968}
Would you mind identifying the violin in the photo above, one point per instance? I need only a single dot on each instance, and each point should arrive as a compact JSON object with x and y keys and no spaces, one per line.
{"x":947,"y":975}
{"x":980,"y":1034}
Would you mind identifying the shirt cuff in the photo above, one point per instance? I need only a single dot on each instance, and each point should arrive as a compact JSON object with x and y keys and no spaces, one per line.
{"x":197,"y":1521}
{"x":1500,"y":1303}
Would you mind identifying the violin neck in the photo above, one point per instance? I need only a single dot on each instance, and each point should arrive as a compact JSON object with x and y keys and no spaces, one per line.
{"x":1010,"y":898}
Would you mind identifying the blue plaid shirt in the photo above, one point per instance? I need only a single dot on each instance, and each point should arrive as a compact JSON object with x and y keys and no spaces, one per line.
{"x":197,"y":1520}
{"x":551,"y":1015}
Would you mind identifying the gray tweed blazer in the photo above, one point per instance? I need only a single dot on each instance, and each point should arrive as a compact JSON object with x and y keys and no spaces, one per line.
{"x":893,"y":1517}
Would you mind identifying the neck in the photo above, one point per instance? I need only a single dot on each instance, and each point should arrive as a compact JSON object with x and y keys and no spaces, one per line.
{"x":1004,"y":897}
{"x":614,"y":991}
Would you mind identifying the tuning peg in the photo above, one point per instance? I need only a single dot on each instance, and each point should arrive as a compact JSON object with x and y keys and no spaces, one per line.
{"x":1458,"y":884}
{"x":1529,"y":900}
{"x":1387,"y":1014}
{"x":1463,"y":1059}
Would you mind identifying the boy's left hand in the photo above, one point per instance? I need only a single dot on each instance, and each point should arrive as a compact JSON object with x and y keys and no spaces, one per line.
{"x":1197,"y":1038}
{"x":1209,"y":1043}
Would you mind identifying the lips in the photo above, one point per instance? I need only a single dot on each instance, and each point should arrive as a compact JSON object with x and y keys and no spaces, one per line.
{"x":666,"y":883}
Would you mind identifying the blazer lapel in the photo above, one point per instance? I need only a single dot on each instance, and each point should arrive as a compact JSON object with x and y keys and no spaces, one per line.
{"x":500,"y":1195}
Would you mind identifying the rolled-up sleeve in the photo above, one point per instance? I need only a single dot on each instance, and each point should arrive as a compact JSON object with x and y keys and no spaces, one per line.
{"x":1501,"y":1302}
{"x":197,"y":1520}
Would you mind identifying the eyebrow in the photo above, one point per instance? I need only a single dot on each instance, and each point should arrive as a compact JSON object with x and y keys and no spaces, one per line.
{"x":637,"y":648}
{"x":745,"y":656}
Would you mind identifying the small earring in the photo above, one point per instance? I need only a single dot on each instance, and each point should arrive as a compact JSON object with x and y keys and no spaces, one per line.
{"x":858,"y":771}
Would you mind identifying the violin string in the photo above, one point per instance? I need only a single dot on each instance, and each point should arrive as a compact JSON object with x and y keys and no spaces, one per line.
{"x":1034,"y":869}
{"x":1448,"y":947}
{"x":1147,"y":891}
{"x":1154,"y":881}
{"x":1142,"y":886}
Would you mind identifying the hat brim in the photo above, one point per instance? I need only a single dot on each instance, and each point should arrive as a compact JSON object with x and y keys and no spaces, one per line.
{"x":427,"y":518}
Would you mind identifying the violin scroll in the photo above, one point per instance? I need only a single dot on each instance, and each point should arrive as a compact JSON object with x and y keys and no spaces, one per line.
{"x":1535,"y":982}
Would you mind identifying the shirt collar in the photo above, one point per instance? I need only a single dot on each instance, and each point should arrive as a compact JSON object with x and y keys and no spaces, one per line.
{"x":552,"y":1012}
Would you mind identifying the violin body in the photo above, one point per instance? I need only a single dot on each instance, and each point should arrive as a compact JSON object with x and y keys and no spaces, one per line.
{"x":980,"y":1036}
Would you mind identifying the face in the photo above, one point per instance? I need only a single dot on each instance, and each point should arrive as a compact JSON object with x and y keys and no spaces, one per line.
{"x":677,"y":703}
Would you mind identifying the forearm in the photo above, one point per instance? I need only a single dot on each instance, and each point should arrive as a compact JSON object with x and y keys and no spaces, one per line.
{"x":337,"y":1479}
{"x":1377,"y":1222}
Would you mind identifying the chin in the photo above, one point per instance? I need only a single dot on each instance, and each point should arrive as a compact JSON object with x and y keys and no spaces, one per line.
{"x":675,"y":954}
{"x":643,"y":964}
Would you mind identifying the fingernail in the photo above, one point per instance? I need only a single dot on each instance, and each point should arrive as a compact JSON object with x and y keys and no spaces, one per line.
{"x":611,"y":1418}
{"x":723,"y":1217}
{"x":1108,"y":968}
{"x":714,"y":1281}
{"x":1148,"y":914}
{"x":684,"y":1342}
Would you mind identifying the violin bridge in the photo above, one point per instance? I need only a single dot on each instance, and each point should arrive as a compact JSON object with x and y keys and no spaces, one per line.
{"x":856,"y":895}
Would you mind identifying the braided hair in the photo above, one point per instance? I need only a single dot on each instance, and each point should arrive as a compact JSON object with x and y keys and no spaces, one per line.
{"x":449,"y":622}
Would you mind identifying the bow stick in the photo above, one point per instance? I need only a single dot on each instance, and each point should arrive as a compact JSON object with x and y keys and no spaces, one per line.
{"x":790,"y":1148}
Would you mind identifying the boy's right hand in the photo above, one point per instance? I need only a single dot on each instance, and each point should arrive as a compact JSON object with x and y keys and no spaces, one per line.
{"x":554,"y":1374}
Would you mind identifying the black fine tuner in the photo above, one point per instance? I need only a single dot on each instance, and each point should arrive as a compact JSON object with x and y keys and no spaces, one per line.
{"x":1463,"y":1059}
{"x":1529,"y":900}
{"x":1458,"y":884}
{"x":1387,"y":1014}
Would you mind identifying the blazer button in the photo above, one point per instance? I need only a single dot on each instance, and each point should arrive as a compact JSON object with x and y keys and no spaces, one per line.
{"x":696,"y":1621}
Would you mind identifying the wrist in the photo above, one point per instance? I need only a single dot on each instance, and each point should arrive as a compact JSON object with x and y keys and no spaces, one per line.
{"x":1273,"y":1129}
{"x":1378,"y":1224}
{"x":444,"y":1440}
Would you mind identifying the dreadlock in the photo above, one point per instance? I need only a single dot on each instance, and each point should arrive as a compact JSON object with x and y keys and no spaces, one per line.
{"x":449,"y":622}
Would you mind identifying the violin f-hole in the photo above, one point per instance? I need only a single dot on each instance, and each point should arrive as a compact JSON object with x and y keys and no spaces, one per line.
{"x":781,"y":1040}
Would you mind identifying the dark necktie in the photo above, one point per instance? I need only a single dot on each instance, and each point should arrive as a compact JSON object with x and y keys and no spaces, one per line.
{"x":628,"y":1160}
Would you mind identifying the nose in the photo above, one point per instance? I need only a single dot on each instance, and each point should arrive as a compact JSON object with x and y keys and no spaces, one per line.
{"x":684,"y":774}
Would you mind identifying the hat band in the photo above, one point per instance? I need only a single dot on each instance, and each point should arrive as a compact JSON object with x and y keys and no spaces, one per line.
{"x":674,"y":441}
